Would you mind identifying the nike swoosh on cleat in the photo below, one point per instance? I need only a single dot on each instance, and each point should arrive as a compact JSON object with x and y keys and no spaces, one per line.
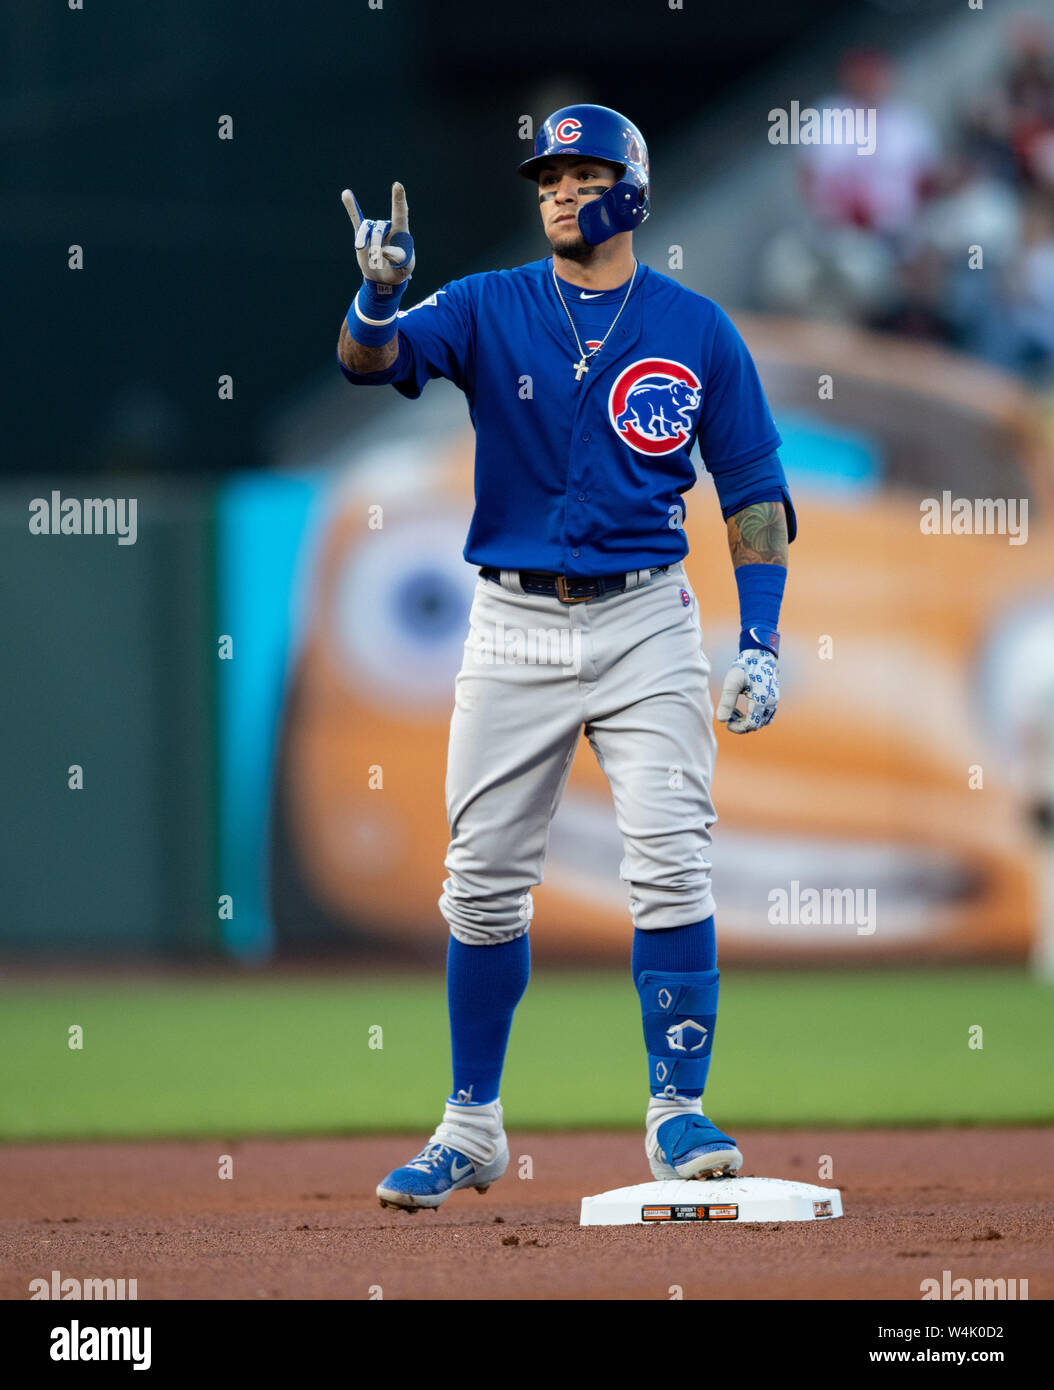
{"x":457,"y":1173}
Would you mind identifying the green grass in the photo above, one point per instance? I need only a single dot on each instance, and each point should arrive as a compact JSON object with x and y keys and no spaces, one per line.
{"x":282,"y":1055}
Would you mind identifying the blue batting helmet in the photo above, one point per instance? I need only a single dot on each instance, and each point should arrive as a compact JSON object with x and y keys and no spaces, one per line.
{"x":600,"y":133}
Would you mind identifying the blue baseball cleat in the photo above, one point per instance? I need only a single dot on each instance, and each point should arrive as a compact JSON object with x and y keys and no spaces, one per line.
{"x":689,"y":1146}
{"x":468,"y":1149}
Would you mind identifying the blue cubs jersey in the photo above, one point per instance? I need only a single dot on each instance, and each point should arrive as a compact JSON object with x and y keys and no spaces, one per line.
{"x":586,"y":477}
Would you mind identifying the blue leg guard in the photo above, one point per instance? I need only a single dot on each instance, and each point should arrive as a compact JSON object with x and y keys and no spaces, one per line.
{"x":680,"y":1011}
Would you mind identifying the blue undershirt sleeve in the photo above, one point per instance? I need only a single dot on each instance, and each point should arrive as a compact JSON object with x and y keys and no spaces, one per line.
{"x":436,"y":338}
{"x":737,"y":436}
{"x":761,"y":480}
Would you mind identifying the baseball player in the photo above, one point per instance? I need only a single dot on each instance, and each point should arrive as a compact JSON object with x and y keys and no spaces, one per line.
{"x":589,"y":377}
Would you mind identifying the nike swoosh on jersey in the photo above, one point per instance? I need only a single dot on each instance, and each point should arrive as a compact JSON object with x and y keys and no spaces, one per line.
{"x":583,"y":295}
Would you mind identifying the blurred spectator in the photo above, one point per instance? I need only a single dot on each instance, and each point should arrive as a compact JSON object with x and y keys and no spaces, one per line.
{"x":1007,"y":316}
{"x":879,"y":192}
{"x":1032,"y":296}
{"x":1017,"y":116}
{"x":972,"y":208}
{"x":891,"y":240}
{"x":859,"y":208}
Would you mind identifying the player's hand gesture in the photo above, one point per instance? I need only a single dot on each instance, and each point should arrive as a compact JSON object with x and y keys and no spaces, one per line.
{"x":755,"y":675}
{"x":385,"y":250}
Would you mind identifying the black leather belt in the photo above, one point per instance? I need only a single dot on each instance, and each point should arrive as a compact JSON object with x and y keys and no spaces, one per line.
{"x":566,"y":589}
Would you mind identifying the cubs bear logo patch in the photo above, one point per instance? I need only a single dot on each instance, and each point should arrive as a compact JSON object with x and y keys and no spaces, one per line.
{"x":652,"y":405}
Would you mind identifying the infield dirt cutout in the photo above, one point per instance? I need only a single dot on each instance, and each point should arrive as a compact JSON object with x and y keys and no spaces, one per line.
{"x":299,"y":1219}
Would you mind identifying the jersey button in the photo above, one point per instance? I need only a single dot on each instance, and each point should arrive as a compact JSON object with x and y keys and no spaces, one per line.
{"x":586,"y":437}
{"x":575,"y":554}
{"x":581,"y":497}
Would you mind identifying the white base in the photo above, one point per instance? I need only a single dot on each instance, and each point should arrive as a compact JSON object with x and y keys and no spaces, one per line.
{"x":714,"y":1199}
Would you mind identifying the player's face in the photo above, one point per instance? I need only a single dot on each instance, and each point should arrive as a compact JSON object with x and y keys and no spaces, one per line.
{"x":565,"y":183}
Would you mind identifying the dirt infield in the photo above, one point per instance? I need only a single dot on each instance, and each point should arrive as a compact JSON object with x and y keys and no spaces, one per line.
{"x":299,"y":1219}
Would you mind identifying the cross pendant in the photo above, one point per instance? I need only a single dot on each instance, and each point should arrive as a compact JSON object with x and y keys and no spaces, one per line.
{"x":580,"y":367}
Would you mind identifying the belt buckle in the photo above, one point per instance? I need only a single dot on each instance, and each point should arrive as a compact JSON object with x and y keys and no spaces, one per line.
{"x":564,"y":596}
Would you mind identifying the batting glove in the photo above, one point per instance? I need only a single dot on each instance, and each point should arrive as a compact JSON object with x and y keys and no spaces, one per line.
{"x":385,"y":250}
{"x":755,"y":674}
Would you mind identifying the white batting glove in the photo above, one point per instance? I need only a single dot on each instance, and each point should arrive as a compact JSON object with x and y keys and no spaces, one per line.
{"x":755,"y":675}
{"x":385,"y":250}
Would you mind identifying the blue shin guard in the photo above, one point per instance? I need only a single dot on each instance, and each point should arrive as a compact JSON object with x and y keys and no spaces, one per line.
{"x":680,"y":1010}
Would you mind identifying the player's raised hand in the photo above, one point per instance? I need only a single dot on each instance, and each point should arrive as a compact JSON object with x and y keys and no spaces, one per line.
{"x":385,"y":249}
{"x":755,"y":675}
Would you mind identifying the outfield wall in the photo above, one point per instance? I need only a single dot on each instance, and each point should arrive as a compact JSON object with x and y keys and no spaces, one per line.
{"x":109,"y":661}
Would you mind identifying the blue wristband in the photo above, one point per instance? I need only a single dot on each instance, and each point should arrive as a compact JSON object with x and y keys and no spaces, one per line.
{"x":760,"y":596}
{"x":372,"y":316}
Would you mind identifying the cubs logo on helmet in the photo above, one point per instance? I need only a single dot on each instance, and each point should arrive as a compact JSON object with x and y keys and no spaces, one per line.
{"x":568,"y":130}
{"x":599,"y":133}
{"x":652,"y":405}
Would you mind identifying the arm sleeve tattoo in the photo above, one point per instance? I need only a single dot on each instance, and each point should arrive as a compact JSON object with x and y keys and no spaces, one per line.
{"x":758,"y":535}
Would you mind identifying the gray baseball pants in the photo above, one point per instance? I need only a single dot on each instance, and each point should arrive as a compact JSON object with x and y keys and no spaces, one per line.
{"x":629,"y":669}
